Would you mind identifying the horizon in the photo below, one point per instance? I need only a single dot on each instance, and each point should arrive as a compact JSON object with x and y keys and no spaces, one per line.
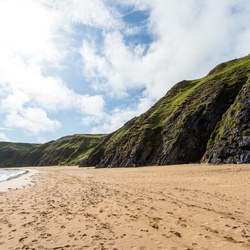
{"x":87,"y":67}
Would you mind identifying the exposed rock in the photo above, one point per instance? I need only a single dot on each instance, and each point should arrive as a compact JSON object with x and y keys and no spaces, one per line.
{"x":230,"y":142}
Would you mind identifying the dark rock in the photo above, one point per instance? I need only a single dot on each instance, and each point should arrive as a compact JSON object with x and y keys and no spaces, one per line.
{"x":231,"y":139}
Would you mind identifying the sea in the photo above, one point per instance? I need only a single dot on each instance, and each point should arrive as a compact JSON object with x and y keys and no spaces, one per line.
{"x":8,"y":174}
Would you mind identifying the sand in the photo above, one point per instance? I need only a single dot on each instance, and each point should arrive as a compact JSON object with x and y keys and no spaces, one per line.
{"x":168,"y":207}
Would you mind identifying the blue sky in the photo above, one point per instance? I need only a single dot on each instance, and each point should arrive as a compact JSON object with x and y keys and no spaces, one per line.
{"x":88,"y":66}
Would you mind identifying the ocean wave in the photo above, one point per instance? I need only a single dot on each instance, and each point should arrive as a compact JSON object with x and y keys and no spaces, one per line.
{"x":8,"y":174}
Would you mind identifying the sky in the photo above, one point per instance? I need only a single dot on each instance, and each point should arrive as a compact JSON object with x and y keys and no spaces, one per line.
{"x":88,"y":66}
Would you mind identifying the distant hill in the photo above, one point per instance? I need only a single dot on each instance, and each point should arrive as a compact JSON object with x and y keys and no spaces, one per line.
{"x":204,"y":120}
{"x":14,"y":154}
{"x":68,"y":150}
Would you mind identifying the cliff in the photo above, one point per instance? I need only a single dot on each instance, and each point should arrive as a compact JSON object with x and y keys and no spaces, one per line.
{"x":201,"y":120}
{"x":230,"y":141}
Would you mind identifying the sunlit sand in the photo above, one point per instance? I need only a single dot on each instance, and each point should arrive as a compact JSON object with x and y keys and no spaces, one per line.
{"x":168,"y":207}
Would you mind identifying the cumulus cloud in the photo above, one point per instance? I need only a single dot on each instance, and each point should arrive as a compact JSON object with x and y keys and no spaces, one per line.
{"x":191,"y":37}
{"x":28,"y":87}
{"x":114,"y":120}
{"x":32,"y":120}
{"x":26,"y":43}
{"x":27,"y":31}
{"x":115,"y":67}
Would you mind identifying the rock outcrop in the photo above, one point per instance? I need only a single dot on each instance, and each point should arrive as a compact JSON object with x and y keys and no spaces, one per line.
{"x":230,"y":142}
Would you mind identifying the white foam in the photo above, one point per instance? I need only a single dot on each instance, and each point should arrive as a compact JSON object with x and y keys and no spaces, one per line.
{"x":19,"y":182}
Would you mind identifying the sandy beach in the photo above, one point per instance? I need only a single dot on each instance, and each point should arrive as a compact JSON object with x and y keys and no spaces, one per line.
{"x":167,"y":207}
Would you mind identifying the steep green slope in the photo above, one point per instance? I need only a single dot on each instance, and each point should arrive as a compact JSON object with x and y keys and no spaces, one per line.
{"x":177,"y":128}
{"x":68,"y":150}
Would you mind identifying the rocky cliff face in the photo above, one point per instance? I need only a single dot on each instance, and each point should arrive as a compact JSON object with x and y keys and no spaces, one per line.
{"x":186,"y":124}
{"x":230,"y":142}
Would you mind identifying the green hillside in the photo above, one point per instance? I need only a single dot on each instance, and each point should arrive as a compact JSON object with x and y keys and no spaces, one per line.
{"x":68,"y":150}
{"x":10,"y":152}
{"x":178,"y":127}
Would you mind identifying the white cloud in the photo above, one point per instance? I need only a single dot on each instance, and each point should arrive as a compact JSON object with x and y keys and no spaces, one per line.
{"x":117,"y":117}
{"x":27,"y":29}
{"x":114,"y":120}
{"x":115,"y":67}
{"x":32,"y":120}
{"x":27,"y":42}
{"x":4,"y":137}
{"x":91,"y":105}
{"x":190,"y":38}
{"x":89,"y":12}
{"x":1,"y":128}
{"x":30,"y":43}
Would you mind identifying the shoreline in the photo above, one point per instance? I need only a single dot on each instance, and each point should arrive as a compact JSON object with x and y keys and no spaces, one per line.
{"x":21,"y":180}
{"x":16,"y":176}
{"x":195,"y":206}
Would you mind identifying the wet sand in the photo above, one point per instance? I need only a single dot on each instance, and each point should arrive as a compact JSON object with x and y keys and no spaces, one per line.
{"x":167,"y":207}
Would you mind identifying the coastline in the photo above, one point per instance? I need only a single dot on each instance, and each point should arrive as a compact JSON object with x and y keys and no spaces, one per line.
{"x":19,"y":181}
{"x":196,"y":206}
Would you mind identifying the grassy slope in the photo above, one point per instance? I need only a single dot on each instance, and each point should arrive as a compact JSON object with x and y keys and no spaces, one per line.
{"x":68,"y":150}
{"x":17,"y":146}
